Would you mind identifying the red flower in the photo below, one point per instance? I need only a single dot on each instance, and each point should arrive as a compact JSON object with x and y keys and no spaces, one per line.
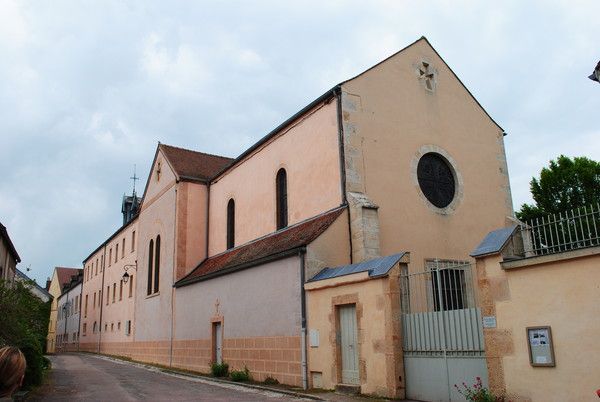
{"x":598,"y":393}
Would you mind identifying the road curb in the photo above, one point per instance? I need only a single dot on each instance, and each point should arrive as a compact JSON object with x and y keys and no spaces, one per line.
{"x":208,"y":379}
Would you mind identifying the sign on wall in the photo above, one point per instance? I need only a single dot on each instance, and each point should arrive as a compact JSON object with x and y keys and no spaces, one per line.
{"x":541,"y":348}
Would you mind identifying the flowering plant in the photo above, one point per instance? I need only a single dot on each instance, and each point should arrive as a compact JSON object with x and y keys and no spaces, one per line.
{"x":477,"y":392}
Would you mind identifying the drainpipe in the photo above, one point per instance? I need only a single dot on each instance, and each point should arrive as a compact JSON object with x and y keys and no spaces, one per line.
{"x":79,"y":318}
{"x":207,"y":215}
{"x":103,"y":267}
{"x":303,"y":346}
{"x":173,"y":279}
{"x":65,"y":318}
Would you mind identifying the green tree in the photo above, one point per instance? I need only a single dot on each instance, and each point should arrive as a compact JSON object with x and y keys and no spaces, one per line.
{"x":24,"y":323}
{"x":565,"y":184}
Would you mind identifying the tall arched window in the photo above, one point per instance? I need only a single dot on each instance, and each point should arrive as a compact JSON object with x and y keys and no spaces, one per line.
{"x":281,"y":193}
{"x":150,"y":262}
{"x":157,"y":264}
{"x":230,"y":224}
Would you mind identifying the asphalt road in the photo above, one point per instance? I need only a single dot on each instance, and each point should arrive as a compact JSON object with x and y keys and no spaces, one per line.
{"x":83,"y":377}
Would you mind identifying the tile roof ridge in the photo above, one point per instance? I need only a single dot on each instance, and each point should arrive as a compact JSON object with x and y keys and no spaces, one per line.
{"x":193,"y":150}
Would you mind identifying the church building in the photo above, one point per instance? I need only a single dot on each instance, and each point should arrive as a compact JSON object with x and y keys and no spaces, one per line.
{"x":322,"y":254}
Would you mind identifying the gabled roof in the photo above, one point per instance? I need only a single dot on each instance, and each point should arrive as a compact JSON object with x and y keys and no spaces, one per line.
{"x":376,"y":267}
{"x":334,"y":91}
{"x":64,"y":275}
{"x":193,"y":165}
{"x":278,"y":244}
{"x":11,"y":246}
{"x":34,"y":283}
{"x":494,"y":241}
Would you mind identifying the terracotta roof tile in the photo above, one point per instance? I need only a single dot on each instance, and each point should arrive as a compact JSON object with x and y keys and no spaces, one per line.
{"x":64,"y":275}
{"x":190,"y":164}
{"x":290,"y":238}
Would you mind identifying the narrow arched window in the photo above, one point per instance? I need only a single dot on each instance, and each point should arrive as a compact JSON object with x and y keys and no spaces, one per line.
{"x":157,"y":264}
{"x":230,"y":224}
{"x":150,"y":262}
{"x":281,"y":193}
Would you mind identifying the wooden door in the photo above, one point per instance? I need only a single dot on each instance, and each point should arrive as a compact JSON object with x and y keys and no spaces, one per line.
{"x":348,"y":344}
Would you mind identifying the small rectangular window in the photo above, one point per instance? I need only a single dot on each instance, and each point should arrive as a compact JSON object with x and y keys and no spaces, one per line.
{"x":123,"y":249}
{"x":107,"y":295}
{"x":128,"y":327}
{"x":133,"y":241}
{"x":116,"y":252}
{"x":94,"y":300}
{"x":85,"y":307}
{"x":109,"y":257}
{"x":131,"y":286}
{"x":114,"y":291}
{"x":121,"y":290}
{"x":84,"y":328}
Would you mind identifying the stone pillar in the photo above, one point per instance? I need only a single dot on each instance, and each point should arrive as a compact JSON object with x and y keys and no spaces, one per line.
{"x":364,"y":227}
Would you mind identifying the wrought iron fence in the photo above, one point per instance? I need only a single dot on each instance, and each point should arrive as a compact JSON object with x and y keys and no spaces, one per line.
{"x":440,"y":316}
{"x":565,"y":231}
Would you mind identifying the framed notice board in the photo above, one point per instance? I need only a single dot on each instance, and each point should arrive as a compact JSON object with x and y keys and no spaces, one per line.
{"x":541,"y":347}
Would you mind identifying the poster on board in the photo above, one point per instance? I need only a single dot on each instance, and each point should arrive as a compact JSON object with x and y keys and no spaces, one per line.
{"x":541,"y":349}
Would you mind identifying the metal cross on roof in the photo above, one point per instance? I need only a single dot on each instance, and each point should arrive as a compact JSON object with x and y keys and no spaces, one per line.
{"x":134,"y":178}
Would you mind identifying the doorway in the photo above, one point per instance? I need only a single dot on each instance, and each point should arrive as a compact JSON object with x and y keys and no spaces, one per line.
{"x":217,"y":336}
{"x":348,"y":341}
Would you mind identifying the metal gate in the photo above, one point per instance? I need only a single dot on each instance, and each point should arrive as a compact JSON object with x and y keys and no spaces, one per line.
{"x":441,"y":330}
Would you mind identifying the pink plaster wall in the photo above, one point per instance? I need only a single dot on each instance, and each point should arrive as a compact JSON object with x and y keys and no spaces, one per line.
{"x":157,"y":217}
{"x":309,"y":153}
{"x":191,"y":226}
{"x":121,"y":310}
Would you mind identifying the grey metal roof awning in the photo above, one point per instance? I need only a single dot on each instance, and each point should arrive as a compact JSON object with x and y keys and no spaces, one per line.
{"x":494,"y":241}
{"x":376,"y":267}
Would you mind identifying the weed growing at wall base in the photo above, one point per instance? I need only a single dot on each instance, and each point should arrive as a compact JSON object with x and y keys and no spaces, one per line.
{"x":219,"y":369}
{"x":477,"y":392}
{"x":240,"y":375}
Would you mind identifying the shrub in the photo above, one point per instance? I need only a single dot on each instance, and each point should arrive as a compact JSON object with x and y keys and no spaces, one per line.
{"x":25,"y":325}
{"x":240,"y":375}
{"x":477,"y":392}
{"x":271,"y":381}
{"x":219,"y":369}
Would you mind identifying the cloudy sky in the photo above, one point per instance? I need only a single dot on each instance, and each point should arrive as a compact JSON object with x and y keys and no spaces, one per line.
{"x":87,"y":88}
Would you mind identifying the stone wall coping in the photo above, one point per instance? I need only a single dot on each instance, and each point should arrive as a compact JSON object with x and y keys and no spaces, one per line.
{"x":550,"y":258}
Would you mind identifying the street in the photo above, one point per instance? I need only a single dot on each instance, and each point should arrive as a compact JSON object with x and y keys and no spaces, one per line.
{"x":83,"y":377}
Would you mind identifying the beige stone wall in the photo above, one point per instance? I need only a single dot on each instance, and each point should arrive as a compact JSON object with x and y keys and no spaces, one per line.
{"x":390,"y":120}
{"x":309,"y":151}
{"x":378,"y":310}
{"x":562,"y":294}
{"x":7,"y":262}
{"x":55,"y":291}
{"x":331,"y":249}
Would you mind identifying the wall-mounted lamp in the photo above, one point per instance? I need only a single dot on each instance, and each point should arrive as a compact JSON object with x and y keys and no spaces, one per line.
{"x":126,"y":274}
